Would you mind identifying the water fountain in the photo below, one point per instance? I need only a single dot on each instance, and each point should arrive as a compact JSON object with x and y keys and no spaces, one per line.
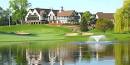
{"x":97,"y":47}
{"x":98,"y":44}
{"x":97,"y":38}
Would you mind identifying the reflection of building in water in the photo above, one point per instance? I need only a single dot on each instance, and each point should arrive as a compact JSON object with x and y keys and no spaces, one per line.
{"x":59,"y":55}
{"x":80,"y":54}
{"x":63,"y":55}
{"x":33,"y":58}
{"x":56,"y":55}
{"x":52,"y":57}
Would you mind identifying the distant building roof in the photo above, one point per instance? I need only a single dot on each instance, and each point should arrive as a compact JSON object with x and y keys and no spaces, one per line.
{"x":66,"y":13}
{"x":105,"y":15}
{"x":44,"y":11}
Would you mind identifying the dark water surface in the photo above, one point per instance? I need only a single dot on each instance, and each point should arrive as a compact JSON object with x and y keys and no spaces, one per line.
{"x":65,"y":54}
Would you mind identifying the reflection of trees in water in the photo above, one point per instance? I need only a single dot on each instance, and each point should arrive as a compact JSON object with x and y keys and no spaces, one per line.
{"x":11,"y":56}
{"x":16,"y":54}
{"x":88,"y":53}
{"x":62,"y":54}
{"x":19,"y":56}
{"x":108,"y":52}
{"x":4,"y":56}
{"x":122,"y":54}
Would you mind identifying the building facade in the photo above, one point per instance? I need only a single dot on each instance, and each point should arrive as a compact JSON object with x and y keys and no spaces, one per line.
{"x":109,"y":16}
{"x":39,"y":15}
{"x":68,"y":16}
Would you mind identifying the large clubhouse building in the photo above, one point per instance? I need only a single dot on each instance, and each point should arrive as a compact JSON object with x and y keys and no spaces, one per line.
{"x":42,"y":15}
{"x":39,"y":15}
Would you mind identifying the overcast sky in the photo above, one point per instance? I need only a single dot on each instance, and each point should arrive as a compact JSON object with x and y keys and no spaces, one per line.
{"x":78,"y":5}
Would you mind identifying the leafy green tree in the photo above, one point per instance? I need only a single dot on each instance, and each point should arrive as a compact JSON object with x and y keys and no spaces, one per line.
{"x":118,"y":21}
{"x":122,"y":18}
{"x":104,"y":25}
{"x":3,"y":16}
{"x":19,"y":9}
{"x":85,"y":20}
{"x":1,"y":10}
{"x":126,"y":12}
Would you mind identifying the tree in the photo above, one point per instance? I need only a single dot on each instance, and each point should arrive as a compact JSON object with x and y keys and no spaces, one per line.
{"x":19,"y":9}
{"x":3,"y":16}
{"x":122,"y":18}
{"x":104,"y":25}
{"x":126,"y":12}
{"x":118,"y":21}
{"x":85,"y":20}
{"x":1,"y":10}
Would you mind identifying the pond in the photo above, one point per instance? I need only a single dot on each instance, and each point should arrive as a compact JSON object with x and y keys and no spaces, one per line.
{"x":65,"y":54}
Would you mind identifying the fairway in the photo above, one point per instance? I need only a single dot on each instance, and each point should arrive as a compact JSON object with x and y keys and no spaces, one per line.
{"x":44,"y":33}
{"x":38,"y":32}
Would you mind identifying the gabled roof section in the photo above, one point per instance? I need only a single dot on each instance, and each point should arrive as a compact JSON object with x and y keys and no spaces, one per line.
{"x":105,"y":15}
{"x":81,"y":13}
{"x":55,"y":12}
{"x":42,"y":11}
{"x":32,"y":10}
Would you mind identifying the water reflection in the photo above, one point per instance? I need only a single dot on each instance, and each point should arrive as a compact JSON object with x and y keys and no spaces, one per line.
{"x":67,"y":54}
{"x":122,"y":54}
{"x":33,"y":57}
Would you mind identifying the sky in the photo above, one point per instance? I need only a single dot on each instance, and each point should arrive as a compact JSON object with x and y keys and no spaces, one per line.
{"x":93,"y":6}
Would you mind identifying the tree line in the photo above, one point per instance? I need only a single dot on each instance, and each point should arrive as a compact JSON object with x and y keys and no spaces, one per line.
{"x":15,"y":13}
{"x":121,"y":23}
{"x":89,"y":22}
{"x":122,"y":18}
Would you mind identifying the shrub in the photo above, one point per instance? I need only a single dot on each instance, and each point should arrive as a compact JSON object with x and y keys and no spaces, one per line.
{"x":104,"y":25}
{"x":86,"y":17}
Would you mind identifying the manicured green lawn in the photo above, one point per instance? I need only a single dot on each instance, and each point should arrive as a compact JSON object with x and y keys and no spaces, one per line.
{"x":43,"y":33}
{"x":46,"y":34}
{"x":118,"y":37}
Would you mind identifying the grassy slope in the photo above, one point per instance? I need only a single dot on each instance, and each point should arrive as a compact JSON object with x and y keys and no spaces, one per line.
{"x":118,"y":37}
{"x":110,"y":35}
{"x":48,"y":34}
{"x":42,"y":33}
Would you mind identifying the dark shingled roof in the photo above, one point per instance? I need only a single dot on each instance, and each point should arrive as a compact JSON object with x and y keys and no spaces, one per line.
{"x":42,"y":11}
{"x":32,"y":10}
{"x":105,"y":15}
